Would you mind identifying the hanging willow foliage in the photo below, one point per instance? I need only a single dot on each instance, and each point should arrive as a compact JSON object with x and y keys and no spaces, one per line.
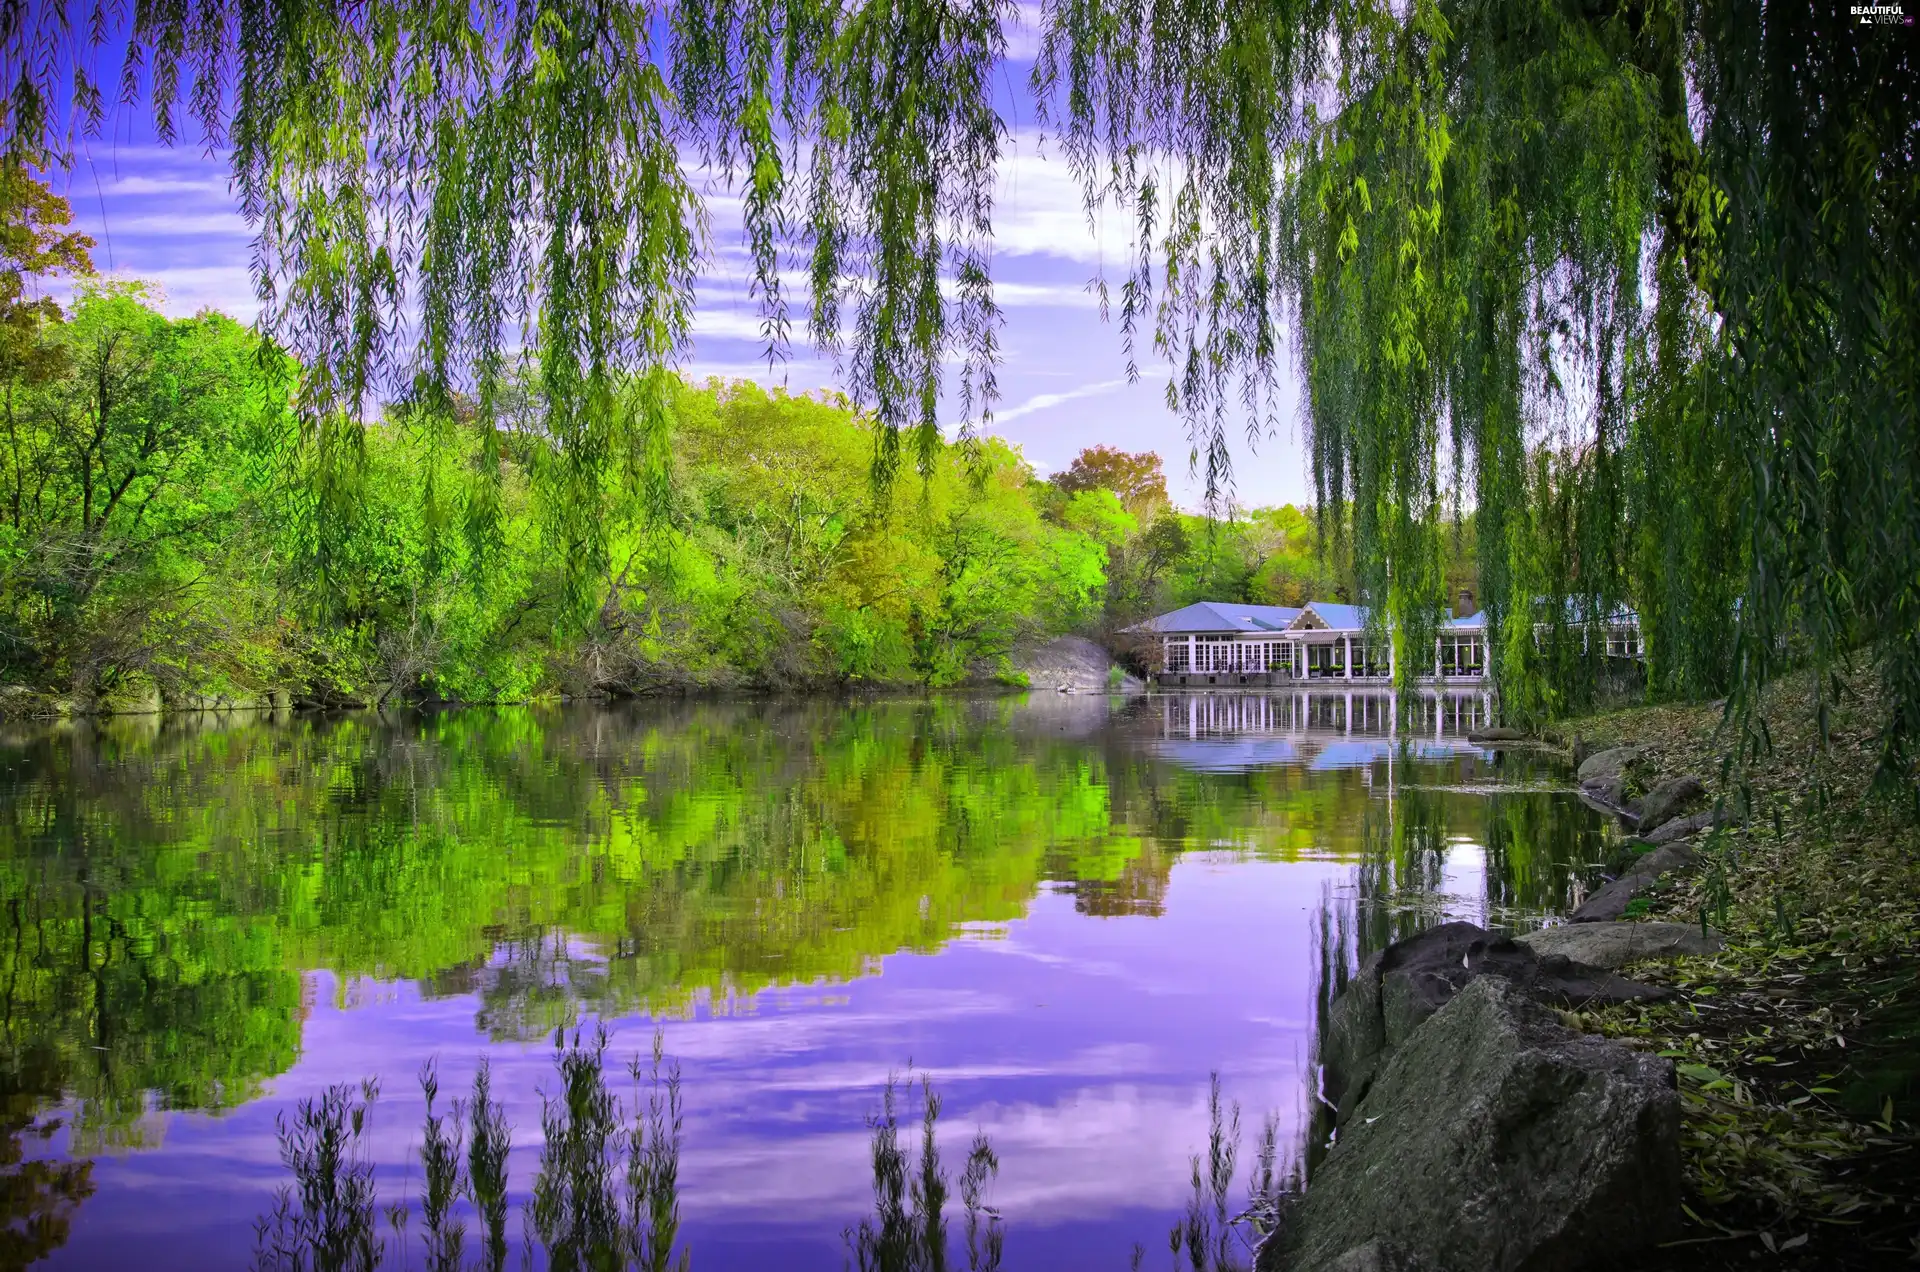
{"x":1633,"y":280}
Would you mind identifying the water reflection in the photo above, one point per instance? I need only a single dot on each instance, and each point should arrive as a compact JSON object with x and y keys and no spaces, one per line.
{"x":1432,"y":722}
{"x":1068,"y":909}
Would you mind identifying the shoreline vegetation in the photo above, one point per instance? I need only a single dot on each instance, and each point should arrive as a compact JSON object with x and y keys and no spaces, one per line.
{"x":607,"y":1193}
{"x":1797,"y":1046}
{"x":171,"y":537}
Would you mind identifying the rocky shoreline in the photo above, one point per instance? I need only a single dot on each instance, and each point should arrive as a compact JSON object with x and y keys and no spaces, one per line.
{"x":1477,"y":1126}
{"x":1520,"y":1105}
{"x":1069,"y":664}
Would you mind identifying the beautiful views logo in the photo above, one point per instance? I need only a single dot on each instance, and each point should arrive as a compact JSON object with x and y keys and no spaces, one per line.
{"x":1877,"y":14}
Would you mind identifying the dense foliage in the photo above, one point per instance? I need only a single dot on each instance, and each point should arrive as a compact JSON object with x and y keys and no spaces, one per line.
{"x":166,"y":530}
{"x":163,"y":531}
{"x":1635,"y":281}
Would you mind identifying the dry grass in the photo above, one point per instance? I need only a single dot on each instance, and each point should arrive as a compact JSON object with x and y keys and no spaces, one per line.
{"x":1796,"y":1046}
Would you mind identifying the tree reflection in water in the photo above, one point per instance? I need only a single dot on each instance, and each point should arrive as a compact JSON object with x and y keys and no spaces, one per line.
{"x":172,"y":886}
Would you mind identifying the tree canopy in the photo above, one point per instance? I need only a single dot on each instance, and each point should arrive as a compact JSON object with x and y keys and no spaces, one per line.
{"x":1138,"y":481}
{"x":1634,"y":281}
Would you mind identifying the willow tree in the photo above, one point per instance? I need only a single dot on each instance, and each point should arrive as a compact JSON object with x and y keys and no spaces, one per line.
{"x":1631,"y":279}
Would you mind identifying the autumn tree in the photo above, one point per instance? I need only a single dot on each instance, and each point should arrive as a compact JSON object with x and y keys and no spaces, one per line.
{"x":1136,"y":478}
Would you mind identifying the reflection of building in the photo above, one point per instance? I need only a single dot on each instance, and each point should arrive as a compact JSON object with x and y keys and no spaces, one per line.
{"x":1214,"y":643}
{"x":1447,"y":716}
{"x":1314,"y":729}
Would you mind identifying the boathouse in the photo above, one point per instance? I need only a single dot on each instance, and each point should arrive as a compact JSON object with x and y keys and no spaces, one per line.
{"x":1217,"y":643}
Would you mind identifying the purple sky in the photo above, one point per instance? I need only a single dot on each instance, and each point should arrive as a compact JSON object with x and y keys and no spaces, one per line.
{"x":167,"y":215}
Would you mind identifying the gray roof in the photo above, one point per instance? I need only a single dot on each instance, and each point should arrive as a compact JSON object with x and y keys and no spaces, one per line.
{"x":1576,"y":612}
{"x":1220,"y":616}
{"x":1342,"y":618}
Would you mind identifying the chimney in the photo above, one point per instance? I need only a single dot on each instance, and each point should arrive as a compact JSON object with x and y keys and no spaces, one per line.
{"x":1466,"y":603}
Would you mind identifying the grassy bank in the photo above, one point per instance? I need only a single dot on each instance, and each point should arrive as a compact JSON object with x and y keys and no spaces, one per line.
{"x":1798,"y":1047}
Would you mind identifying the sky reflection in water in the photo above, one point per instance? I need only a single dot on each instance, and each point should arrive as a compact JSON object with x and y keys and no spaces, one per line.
{"x":1066,"y":910}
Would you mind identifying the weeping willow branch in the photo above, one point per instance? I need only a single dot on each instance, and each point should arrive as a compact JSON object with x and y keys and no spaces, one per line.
{"x":1630,"y":282}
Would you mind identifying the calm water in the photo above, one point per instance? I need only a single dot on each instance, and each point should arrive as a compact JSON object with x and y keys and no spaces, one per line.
{"x":1067,"y":910}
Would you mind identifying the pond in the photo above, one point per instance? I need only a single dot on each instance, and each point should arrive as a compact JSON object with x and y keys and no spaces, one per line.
{"x":1067,"y":912}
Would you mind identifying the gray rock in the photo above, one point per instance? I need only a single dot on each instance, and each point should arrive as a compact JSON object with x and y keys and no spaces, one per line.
{"x":1681,"y":827}
{"x":1404,"y":984}
{"x":1609,"y":763}
{"x":1610,"y":902}
{"x":1071,"y":664}
{"x":1495,"y":1140}
{"x":1668,"y":800}
{"x":1603,"y":776}
{"x":1612,"y":945}
{"x":1609,"y":794}
{"x":1498,"y":735}
{"x":1376,"y":1256}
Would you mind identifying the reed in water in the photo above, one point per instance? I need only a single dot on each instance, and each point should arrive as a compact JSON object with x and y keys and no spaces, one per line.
{"x":606,"y":1197}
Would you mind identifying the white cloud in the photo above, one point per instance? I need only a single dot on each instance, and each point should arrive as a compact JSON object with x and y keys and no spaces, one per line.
{"x":1044,"y":295}
{"x":211,"y":186}
{"x":214,"y":223}
{"x":1023,"y":33}
{"x":1045,"y":401}
{"x":1040,"y":210}
{"x":737,"y":322}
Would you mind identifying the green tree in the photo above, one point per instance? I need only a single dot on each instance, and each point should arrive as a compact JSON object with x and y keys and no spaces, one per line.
{"x":1653,"y":243}
{"x":125,"y":473}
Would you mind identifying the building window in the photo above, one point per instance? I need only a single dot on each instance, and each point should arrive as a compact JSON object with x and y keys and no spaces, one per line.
{"x":1177,"y":654}
{"x":1460,"y":655}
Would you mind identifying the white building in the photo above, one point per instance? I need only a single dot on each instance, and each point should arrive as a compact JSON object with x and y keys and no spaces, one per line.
{"x":1215,"y":643}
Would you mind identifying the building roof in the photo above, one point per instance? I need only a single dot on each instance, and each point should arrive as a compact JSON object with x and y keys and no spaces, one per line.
{"x":1340,"y":618}
{"x":1576,"y":612}
{"x":1220,"y":616}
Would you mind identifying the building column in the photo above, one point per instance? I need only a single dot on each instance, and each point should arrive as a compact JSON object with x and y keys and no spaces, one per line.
{"x":1193,"y":645}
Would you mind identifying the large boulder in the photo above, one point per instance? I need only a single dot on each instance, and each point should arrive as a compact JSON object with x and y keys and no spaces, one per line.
{"x":1395,"y":992}
{"x":1376,"y":1256}
{"x":1610,"y":902}
{"x":1610,"y":945}
{"x":1495,"y":1140}
{"x":1607,"y":763}
{"x":1072,"y":664}
{"x":1667,"y":801}
{"x":1603,"y":775}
